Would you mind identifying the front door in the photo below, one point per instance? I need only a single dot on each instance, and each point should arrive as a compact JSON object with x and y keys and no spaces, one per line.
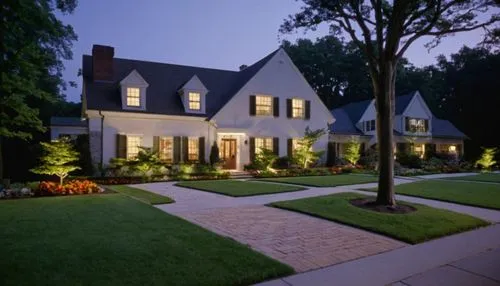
{"x":228,"y":153}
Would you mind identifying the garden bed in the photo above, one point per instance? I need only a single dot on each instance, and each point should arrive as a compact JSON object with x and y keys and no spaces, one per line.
{"x":424,"y":224}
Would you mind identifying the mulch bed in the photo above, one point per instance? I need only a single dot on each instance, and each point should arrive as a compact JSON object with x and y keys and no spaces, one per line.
{"x":373,"y":206}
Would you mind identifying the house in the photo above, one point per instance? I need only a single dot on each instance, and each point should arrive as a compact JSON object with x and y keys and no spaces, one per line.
{"x":416,"y":129}
{"x":180,"y":111}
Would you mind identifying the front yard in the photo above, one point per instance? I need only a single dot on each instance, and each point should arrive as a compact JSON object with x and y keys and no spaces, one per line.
{"x":115,"y":240}
{"x":493,"y":178}
{"x":238,"y":188}
{"x":467,"y":193}
{"x":142,"y":195}
{"x":423,"y":224}
{"x":326,"y":181}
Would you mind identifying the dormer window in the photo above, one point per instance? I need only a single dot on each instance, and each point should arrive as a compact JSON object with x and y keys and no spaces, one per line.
{"x":194,"y":101}
{"x":133,"y":97}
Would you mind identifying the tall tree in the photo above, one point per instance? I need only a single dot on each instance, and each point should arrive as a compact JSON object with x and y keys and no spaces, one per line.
{"x":34,"y":42}
{"x":384,"y":30}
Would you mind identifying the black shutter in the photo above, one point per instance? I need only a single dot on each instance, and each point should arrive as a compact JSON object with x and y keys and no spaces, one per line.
{"x":426,"y":125}
{"x":289,"y":147}
{"x":201,"y":150}
{"x":177,"y":149}
{"x":276,"y":107}
{"x":185,"y":149}
{"x":156,"y":144}
{"x":252,"y":105}
{"x":276,"y":146}
{"x":331,"y":154}
{"x":289,"y":108}
{"x":459,"y":150}
{"x":121,"y":146}
{"x":407,"y":124}
{"x":308,"y":109}
{"x":252,"y":149}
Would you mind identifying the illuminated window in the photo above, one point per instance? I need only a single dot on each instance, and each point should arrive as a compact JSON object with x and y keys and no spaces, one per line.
{"x":194,"y":101}
{"x":419,"y":149}
{"x":133,"y":144}
{"x":417,"y":125}
{"x":193,"y":149}
{"x":263,"y":105}
{"x":452,"y":149}
{"x":263,"y":143}
{"x":298,"y":108}
{"x":446,"y":148}
{"x":295,"y":145}
{"x":133,"y":96}
{"x":166,"y":148}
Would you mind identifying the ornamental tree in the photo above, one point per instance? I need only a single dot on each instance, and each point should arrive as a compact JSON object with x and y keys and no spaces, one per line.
{"x":487,"y":158}
{"x":384,"y":30}
{"x":57,"y":159}
{"x":214,"y":154}
{"x":304,"y":154}
{"x":352,"y":152}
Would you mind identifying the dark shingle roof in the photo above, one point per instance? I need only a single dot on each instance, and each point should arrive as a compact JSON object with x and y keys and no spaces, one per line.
{"x":164,"y":81}
{"x":444,"y":128}
{"x":68,"y":121}
{"x":343,"y":124}
{"x":402,"y":102}
{"x":356,"y":109}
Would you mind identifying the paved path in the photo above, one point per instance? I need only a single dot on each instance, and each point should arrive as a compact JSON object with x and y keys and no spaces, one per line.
{"x":474,"y":252}
{"x":301,"y":241}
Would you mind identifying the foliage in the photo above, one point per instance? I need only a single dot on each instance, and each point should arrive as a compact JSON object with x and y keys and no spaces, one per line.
{"x":34,"y":43}
{"x":59,"y":155}
{"x":352,"y":152}
{"x":197,"y":172}
{"x":282,"y":163}
{"x":265,"y":159}
{"x":304,"y":154}
{"x":384,"y":30}
{"x":147,"y":162}
{"x":369,"y":159}
{"x":73,"y":187}
{"x":487,"y":158}
{"x":410,"y":160}
{"x":214,"y":154}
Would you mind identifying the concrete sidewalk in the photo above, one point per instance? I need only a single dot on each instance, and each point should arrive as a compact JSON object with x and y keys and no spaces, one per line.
{"x":470,"y":258}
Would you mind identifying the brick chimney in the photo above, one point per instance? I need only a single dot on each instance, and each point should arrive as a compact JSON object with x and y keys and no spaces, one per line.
{"x":102,"y":63}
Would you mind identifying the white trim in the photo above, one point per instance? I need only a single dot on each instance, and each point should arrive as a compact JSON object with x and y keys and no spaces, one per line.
{"x":137,"y":115}
{"x":136,"y":74}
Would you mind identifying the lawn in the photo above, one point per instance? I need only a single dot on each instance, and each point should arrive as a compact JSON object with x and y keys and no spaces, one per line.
{"x":486,"y":177}
{"x":238,"y":188}
{"x":142,"y":195}
{"x":115,"y":240}
{"x":326,"y":181}
{"x":424,"y":224}
{"x":467,"y":193}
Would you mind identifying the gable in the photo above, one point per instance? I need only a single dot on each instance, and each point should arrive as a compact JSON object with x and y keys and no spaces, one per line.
{"x":417,"y":108}
{"x":134,"y":79}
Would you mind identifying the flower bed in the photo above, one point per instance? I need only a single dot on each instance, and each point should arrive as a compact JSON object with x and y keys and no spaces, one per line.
{"x":73,"y":187}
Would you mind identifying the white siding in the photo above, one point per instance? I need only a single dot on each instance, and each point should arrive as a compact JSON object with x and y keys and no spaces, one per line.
{"x":278,"y":78}
{"x":55,"y":131}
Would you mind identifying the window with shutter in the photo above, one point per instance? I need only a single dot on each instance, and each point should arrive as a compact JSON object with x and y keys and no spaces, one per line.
{"x":166,"y":149}
{"x":133,"y":144}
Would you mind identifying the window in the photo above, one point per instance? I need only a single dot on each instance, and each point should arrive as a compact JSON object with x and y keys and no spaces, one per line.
{"x":133,"y":143}
{"x":297,"y":108}
{"x":419,"y":149}
{"x":369,"y":125}
{"x":193,"y":149}
{"x":447,"y":148}
{"x":133,"y":96}
{"x":263,"y":143}
{"x":166,"y":148}
{"x":263,"y":105}
{"x":417,"y":125}
{"x":194,"y":100}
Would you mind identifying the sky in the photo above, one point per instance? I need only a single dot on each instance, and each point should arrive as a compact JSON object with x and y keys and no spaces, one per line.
{"x":222,"y":34}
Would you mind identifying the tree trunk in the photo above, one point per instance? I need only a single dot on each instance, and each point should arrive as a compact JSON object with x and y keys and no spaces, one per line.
{"x":384,"y":90}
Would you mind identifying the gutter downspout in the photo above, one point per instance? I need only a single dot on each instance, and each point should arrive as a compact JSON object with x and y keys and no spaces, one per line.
{"x":101,"y":167}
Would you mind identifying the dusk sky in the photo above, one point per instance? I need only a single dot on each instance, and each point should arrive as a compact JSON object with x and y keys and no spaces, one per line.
{"x":221,"y":34}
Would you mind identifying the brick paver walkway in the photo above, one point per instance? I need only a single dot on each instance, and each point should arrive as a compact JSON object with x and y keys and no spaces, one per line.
{"x":301,"y":241}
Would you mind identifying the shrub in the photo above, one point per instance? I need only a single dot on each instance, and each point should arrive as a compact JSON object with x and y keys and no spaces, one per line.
{"x":487,"y":159}
{"x":304,"y":154}
{"x":214,"y":154}
{"x":282,"y":163}
{"x":369,"y":159}
{"x":352,"y":152}
{"x":409,"y":160}
{"x":73,"y":187}
{"x":265,"y":159}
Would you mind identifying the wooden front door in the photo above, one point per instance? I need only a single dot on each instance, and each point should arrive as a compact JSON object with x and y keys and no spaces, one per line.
{"x":228,"y":153}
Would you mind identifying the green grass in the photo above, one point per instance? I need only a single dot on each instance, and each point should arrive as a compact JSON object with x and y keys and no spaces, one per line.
{"x":238,"y":188}
{"x":115,"y":240}
{"x":142,"y":195}
{"x":487,"y":177}
{"x":424,"y":224}
{"x":325,"y":181}
{"x":466,"y":193}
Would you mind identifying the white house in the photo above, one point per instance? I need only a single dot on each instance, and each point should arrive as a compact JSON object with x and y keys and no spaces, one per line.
{"x":415,"y":127}
{"x":180,"y":111}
